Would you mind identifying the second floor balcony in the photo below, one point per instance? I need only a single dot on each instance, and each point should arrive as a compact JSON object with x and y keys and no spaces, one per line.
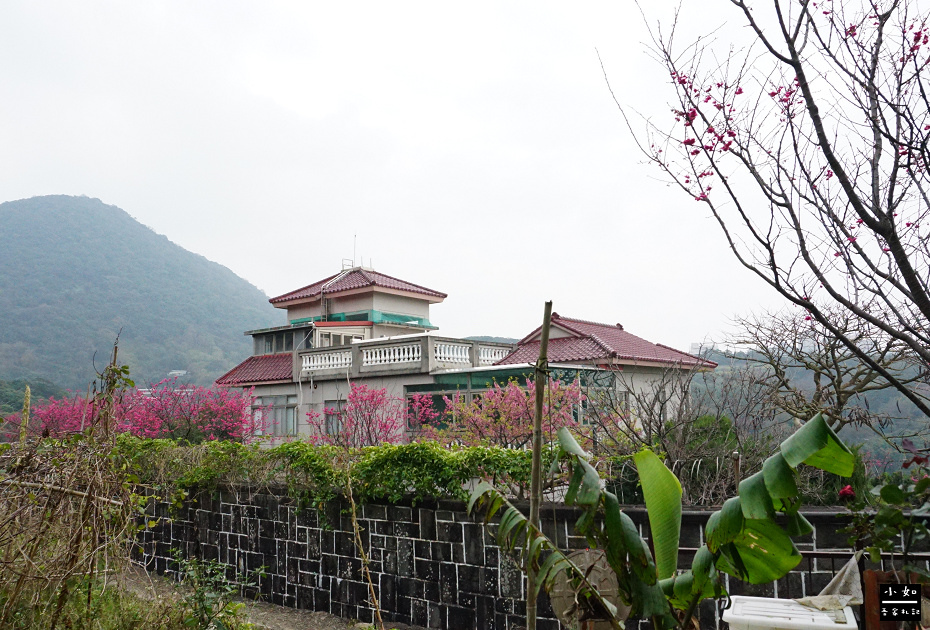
{"x":420,"y":353}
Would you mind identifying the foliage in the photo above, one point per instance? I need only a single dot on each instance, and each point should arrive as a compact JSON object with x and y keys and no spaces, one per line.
{"x":67,"y":509}
{"x":896,"y":521}
{"x":309,"y":471}
{"x":210,"y":604}
{"x":11,"y":393}
{"x":314,"y":473}
{"x":101,"y":606}
{"x":697,"y":420}
{"x":165,"y":410}
{"x":503,"y":415}
{"x":75,"y":272}
{"x":743,"y":538}
{"x":810,"y":149}
{"x":428,"y":469}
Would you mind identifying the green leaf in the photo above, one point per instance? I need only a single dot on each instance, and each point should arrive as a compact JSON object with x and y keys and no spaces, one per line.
{"x":569,"y":445}
{"x":892,"y":493}
{"x":888,"y":516}
{"x":815,"y":444}
{"x":724,"y":526}
{"x":779,"y":478}
{"x":573,"y":485}
{"x":662,"y":493}
{"x":754,"y":498}
{"x":590,"y":491}
{"x":477,"y":494}
{"x":762,"y":552}
{"x":649,"y":601}
{"x":624,"y":544}
{"x":702,"y":568}
{"x":798,"y":525}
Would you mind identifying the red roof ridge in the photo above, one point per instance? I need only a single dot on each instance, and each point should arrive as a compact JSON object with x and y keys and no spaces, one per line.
{"x":370,"y":278}
{"x":610,"y":351}
{"x":419,"y":286}
{"x":262,"y":368}
{"x":687,"y":354}
{"x":561,"y":321}
{"x":283,"y":296}
{"x":585,"y":321}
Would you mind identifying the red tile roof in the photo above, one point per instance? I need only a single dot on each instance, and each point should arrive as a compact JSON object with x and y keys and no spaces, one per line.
{"x":592,"y":341}
{"x":355,"y":279}
{"x":264,"y":368}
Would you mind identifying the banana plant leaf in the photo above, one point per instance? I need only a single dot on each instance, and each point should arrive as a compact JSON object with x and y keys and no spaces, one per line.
{"x":815,"y":444}
{"x":724,"y":526}
{"x":662,"y":492}
{"x":754,"y":498}
{"x":765,"y":552}
{"x":512,"y":534}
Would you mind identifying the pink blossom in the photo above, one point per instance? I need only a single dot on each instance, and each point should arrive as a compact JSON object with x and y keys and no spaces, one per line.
{"x":369,"y":417}
{"x":503,"y":415}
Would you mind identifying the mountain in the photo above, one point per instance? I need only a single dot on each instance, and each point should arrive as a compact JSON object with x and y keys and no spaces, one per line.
{"x":492,"y":339}
{"x":75,"y":272}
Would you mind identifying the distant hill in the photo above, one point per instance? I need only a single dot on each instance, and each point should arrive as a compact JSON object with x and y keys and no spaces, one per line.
{"x":492,"y":339}
{"x":74,"y":272}
{"x":889,"y":402}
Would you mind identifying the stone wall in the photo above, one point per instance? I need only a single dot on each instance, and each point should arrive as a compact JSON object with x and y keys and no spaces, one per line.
{"x":432,"y":565}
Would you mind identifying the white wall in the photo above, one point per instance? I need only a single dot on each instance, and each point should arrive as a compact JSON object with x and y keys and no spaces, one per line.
{"x":401,"y":305}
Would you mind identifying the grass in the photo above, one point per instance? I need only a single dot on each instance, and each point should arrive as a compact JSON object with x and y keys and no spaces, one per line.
{"x":98,"y":606}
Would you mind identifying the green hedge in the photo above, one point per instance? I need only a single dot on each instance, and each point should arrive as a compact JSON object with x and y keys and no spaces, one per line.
{"x":314,"y":474}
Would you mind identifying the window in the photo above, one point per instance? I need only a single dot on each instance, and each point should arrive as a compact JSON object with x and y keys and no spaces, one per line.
{"x":333,"y":416}
{"x":275,"y":415}
{"x":274,"y":343}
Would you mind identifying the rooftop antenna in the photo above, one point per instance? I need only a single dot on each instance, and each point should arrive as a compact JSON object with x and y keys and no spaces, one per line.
{"x":354,"y":240}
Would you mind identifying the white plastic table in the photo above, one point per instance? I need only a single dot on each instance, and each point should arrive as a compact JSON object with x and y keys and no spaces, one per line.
{"x":767,"y":613}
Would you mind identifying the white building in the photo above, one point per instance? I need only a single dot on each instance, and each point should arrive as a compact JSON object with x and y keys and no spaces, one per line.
{"x":361,"y":326}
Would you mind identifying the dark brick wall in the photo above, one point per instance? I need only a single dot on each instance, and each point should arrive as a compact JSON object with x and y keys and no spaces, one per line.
{"x":432,"y":565}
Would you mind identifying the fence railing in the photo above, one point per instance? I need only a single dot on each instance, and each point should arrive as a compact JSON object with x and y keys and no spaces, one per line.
{"x":388,"y":355}
{"x":327,"y":360}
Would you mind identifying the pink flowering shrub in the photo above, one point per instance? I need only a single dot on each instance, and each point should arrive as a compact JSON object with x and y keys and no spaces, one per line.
{"x":503,"y":415}
{"x":188,"y":412}
{"x":166,"y":410}
{"x":369,"y":417}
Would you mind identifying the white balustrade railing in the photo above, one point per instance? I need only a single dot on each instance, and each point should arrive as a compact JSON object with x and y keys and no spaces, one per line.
{"x":452,"y":353}
{"x":327,"y":360}
{"x":489,"y":355}
{"x":387,"y":355}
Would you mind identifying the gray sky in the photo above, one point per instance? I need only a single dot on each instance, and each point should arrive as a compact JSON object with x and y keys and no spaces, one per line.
{"x":466,"y":146}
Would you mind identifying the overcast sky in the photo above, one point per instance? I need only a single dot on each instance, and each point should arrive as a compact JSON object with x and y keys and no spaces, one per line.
{"x":473,"y":149}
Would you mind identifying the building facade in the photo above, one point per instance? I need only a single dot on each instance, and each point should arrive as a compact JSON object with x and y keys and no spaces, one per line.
{"x":363,"y":327}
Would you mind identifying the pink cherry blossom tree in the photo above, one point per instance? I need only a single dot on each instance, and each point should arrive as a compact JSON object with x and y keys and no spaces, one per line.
{"x":503,"y":415}
{"x":165,"y":410}
{"x":369,"y":416}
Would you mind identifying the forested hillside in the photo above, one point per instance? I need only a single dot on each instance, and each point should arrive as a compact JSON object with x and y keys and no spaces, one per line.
{"x":75,"y":272}
{"x":890,"y":414}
